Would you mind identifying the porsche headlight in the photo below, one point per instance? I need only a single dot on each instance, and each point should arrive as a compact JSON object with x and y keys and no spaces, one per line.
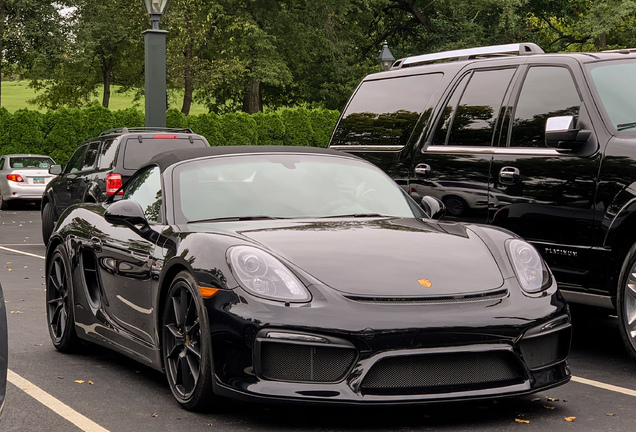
{"x":265,"y":276}
{"x":531,"y":271}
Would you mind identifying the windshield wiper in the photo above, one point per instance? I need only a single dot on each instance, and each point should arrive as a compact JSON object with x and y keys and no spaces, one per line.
{"x":355,"y":215}
{"x":235,"y":218}
{"x":624,"y":126}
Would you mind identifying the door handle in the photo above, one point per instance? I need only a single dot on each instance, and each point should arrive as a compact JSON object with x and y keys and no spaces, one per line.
{"x":422,"y":170}
{"x":509,"y":175}
{"x":96,"y":244}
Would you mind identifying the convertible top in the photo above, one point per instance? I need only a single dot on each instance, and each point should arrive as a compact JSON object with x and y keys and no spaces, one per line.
{"x":166,"y":159}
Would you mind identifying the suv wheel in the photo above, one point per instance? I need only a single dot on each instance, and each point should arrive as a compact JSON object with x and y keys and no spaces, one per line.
{"x":626,"y":303}
{"x":48,"y":221}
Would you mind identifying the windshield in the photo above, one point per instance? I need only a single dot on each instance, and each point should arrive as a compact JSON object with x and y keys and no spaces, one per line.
{"x":31,"y":162}
{"x":284,"y":186}
{"x":614,"y":82}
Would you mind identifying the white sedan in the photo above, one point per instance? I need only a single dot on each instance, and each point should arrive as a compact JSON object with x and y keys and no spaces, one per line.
{"x":23,"y":177}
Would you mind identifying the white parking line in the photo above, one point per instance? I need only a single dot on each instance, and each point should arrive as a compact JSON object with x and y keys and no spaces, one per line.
{"x":21,"y":252}
{"x":604,"y":386}
{"x":54,"y":404}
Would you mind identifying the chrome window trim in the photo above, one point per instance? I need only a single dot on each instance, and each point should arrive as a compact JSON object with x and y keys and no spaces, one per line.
{"x":530,"y":151}
{"x":365,"y":147}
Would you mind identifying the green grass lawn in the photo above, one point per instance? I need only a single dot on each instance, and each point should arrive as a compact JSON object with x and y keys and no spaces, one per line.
{"x":15,"y":95}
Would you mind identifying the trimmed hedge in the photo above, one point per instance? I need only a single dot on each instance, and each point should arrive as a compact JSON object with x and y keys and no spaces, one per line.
{"x":58,"y":133}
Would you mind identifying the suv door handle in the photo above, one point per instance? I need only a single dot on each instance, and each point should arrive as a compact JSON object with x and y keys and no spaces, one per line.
{"x":509,"y":175}
{"x":96,"y":244}
{"x":422,"y":170}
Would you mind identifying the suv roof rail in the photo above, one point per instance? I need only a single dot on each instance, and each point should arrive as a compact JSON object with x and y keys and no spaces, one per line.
{"x":145,"y":129}
{"x":471,"y":53}
{"x":621,"y":50}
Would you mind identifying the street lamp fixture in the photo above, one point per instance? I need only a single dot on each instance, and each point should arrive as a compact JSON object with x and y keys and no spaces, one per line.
{"x":156,"y":8}
{"x":155,"y":65}
{"x":385,"y":57}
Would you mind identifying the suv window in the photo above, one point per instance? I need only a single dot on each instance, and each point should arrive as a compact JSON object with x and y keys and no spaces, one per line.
{"x":75,"y":162}
{"x":547,"y":91}
{"x":471,"y":114}
{"x":1,"y":163}
{"x":145,"y":188}
{"x":136,"y":149}
{"x":384,"y":112}
{"x":107,"y":155}
{"x":90,"y":157}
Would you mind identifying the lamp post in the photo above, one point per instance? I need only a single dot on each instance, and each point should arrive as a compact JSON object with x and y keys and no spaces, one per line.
{"x":155,"y":65}
{"x":385,"y":57}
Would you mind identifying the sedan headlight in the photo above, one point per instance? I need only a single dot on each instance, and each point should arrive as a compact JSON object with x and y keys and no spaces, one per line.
{"x":265,"y":276}
{"x":531,"y":271}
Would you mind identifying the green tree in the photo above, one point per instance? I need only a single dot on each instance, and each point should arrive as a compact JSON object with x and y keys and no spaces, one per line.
{"x":105,"y":47}
{"x":31,"y":34}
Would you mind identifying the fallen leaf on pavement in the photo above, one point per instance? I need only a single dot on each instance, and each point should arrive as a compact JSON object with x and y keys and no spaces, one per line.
{"x":570,"y":419}
{"x":549,"y":407}
{"x":79,"y":381}
{"x":521,"y":421}
{"x":552,"y":399}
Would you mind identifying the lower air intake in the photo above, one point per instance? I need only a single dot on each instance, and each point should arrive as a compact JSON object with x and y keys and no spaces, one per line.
{"x":305,"y":363}
{"x":440,"y":373}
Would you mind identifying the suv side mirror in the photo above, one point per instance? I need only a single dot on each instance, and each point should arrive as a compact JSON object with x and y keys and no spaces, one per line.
{"x":126,"y":212}
{"x":561,"y":133}
{"x":55,"y":169}
{"x":433,"y":207}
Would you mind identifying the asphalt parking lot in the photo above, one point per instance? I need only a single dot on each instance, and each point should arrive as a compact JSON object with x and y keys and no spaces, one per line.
{"x":98,"y":391}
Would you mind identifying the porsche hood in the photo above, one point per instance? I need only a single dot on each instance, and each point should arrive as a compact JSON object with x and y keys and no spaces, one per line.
{"x":387,"y":258}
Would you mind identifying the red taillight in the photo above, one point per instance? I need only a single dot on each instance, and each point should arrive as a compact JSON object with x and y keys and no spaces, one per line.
{"x":113,"y":182}
{"x":15,"y":177}
{"x":160,"y":136}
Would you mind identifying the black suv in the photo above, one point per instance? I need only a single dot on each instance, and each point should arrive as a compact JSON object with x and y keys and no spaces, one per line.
{"x":541,"y":144}
{"x":100,"y":166}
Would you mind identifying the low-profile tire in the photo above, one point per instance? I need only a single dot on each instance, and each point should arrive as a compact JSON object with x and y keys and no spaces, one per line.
{"x":48,"y":222}
{"x":59,"y":302}
{"x":186,"y":345}
{"x":4,"y":204}
{"x":626,"y":303}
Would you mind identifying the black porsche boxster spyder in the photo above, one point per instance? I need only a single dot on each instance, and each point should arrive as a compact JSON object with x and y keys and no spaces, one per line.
{"x":302,"y":275}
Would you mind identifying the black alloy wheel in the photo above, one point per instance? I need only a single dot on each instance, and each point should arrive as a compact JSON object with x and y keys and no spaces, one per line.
{"x":59,"y":302}
{"x":186,"y":346}
{"x":626,"y":303}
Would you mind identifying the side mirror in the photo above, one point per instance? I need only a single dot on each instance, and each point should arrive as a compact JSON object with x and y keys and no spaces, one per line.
{"x":561,"y":133}
{"x":126,"y":212}
{"x":55,"y":169}
{"x":433,"y":207}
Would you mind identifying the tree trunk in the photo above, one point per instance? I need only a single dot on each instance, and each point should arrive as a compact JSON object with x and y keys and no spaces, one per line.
{"x":107,"y":72}
{"x":253,"y":99}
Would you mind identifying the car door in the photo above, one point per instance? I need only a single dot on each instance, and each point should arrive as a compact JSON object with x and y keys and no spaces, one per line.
{"x":454,"y":165}
{"x":127,"y":262}
{"x":79,"y":182}
{"x":62,"y":186}
{"x":544,"y":194}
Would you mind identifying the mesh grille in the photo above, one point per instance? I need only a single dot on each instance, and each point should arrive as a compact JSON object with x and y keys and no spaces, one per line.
{"x":291,"y":362}
{"x":545,"y":350}
{"x":442,"y":372}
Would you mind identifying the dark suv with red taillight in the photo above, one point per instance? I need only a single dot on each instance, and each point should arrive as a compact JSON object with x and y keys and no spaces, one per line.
{"x":100,"y":166}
